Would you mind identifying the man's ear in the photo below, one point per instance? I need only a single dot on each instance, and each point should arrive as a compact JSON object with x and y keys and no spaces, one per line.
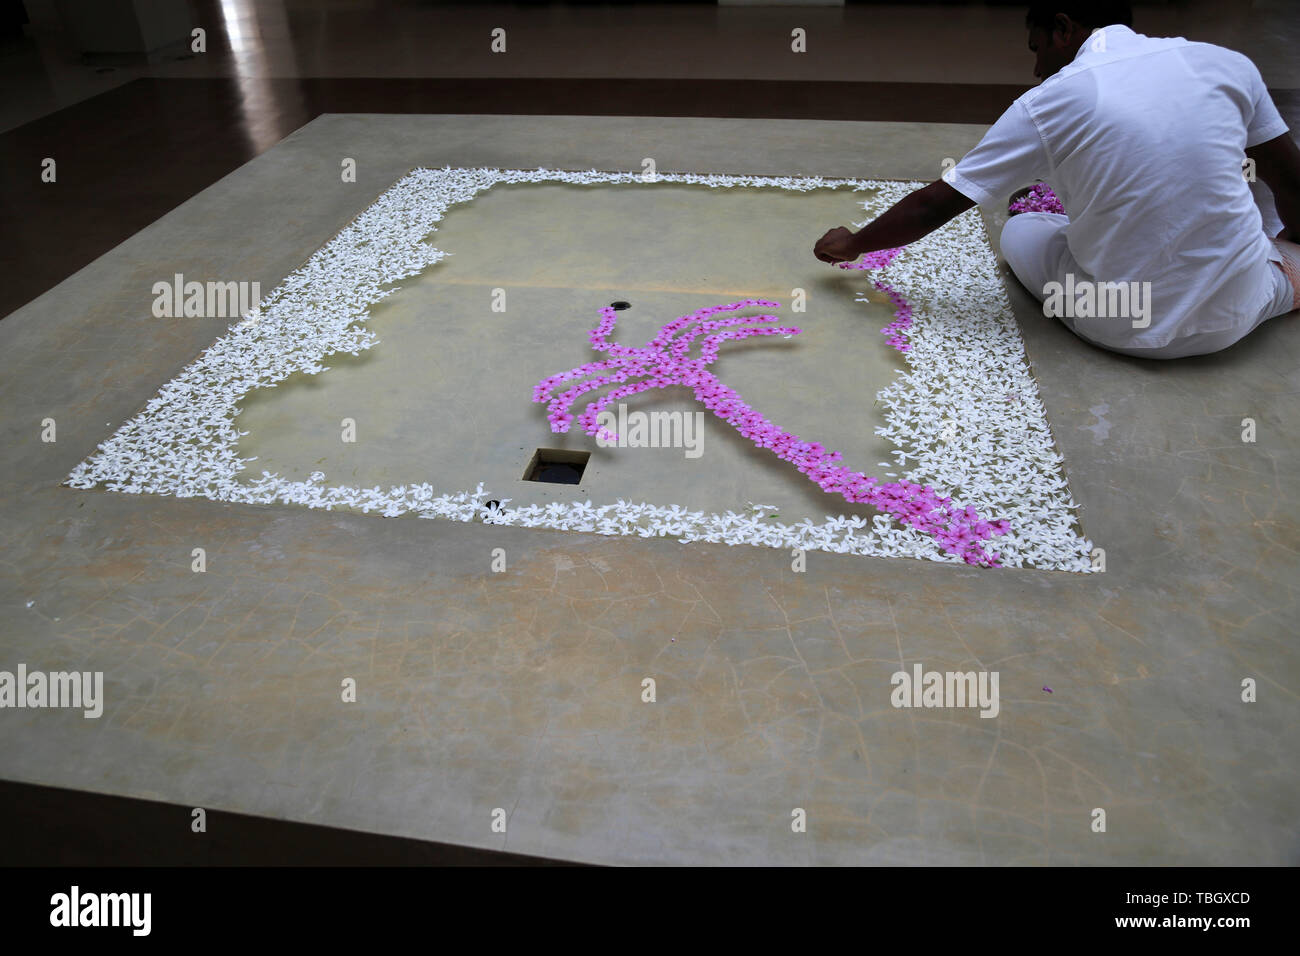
{"x":1062,"y":27}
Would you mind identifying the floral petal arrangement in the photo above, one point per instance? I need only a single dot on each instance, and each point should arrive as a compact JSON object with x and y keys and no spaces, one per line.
{"x":665,"y":361}
{"x":965,"y":415}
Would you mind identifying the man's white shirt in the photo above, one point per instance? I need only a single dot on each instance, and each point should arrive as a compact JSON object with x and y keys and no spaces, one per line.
{"x":1143,"y":139}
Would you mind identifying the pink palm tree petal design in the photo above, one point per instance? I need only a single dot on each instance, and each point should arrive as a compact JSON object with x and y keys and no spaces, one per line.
{"x":894,"y":331}
{"x":665,"y":361}
{"x":873,"y":260}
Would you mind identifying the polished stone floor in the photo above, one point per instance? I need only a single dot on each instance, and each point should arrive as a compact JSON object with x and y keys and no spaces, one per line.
{"x":1144,"y":663}
{"x":522,"y":690}
{"x":954,"y":44}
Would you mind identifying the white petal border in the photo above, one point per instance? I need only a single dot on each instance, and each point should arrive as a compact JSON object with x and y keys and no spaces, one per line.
{"x":965,"y":414}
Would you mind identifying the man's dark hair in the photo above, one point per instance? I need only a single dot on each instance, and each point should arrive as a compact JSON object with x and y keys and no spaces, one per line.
{"x":1088,"y":13}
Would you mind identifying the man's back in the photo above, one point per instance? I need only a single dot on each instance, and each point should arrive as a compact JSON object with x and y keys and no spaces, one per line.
{"x":1143,"y":139}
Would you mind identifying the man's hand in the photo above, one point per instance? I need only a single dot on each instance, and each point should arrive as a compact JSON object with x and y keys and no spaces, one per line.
{"x":915,"y":215}
{"x":836,"y":246}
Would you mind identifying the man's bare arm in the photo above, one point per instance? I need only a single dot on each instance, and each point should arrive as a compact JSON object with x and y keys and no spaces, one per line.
{"x":1277,"y":163}
{"x":917,"y":214}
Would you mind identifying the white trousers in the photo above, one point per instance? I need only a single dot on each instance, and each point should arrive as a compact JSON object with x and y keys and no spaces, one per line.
{"x":1034,"y":246}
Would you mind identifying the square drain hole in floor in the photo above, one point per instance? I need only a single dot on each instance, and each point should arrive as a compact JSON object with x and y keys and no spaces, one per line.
{"x":558,"y":466}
